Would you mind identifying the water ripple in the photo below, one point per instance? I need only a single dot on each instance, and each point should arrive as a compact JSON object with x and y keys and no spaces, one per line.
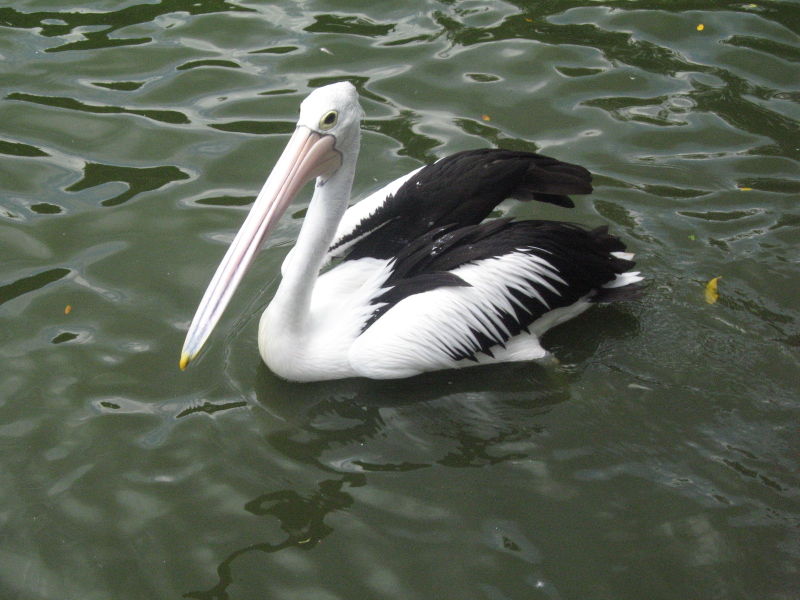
{"x":134,"y":135}
{"x":138,"y":180}
{"x":96,"y":28}
{"x":164,"y":116}
{"x":31,"y":283}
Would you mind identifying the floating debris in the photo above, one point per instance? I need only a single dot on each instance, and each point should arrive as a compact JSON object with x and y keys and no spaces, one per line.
{"x":712,"y":294}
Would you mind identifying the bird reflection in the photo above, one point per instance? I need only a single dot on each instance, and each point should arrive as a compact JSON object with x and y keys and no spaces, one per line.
{"x":448,"y":418}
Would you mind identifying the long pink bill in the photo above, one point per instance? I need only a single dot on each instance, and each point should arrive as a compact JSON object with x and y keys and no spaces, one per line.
{"x":307,"y":155}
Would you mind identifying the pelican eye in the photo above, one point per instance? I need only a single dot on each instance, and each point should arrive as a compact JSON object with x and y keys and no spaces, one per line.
{"x":328,"y":120}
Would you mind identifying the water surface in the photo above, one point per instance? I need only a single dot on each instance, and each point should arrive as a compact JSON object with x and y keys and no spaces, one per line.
{"x":659,"y":459}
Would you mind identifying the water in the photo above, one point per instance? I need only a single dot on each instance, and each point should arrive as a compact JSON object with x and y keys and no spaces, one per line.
{"x":658,"y":460}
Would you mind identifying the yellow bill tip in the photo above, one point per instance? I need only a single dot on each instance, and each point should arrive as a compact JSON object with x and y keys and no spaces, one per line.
{"x":184,"y":362}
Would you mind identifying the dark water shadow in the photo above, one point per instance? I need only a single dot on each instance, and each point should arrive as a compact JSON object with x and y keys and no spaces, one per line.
{"x":172,"y":117}
{"x":580,"y":340}
{"x":462,"y":417}
{"x":288,"y":399}
{"x":31,"y":283}
{"x":138,"y":179}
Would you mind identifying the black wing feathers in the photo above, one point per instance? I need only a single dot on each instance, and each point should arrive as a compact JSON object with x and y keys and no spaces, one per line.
{"x":463,"y":189}
{"x":581,"y":258}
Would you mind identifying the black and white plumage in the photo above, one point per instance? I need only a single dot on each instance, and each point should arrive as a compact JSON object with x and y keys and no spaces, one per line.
{"x":423,"y":282}
{"x":463,"y":189}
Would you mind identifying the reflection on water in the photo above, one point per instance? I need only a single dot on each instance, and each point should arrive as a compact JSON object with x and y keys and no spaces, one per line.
{"x":657,"y":459}
{"x":355,"y":426}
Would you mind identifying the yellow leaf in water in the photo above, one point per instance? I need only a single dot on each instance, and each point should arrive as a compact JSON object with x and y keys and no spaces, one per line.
{"x":486,"y":117}
{"x":712,"y":295}
{"x":67,"y":309}
{"x":745,"y":189}
{"x":701,"y":27}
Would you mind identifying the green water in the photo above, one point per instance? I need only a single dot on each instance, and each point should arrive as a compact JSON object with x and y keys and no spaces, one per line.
{"x":660,"y":459}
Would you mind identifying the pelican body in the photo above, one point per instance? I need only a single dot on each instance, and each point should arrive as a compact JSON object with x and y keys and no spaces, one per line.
{"x":422,"y":282}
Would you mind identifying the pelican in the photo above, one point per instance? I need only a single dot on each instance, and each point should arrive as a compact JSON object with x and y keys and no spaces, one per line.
{"x":422,"y":282}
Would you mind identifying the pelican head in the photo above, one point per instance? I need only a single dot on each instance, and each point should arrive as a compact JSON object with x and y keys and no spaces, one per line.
{"x":326,"y":139}
{"x":334,"y":111}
